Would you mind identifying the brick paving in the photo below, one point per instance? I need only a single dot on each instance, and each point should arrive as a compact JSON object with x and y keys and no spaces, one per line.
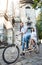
{"x":33,"y":59}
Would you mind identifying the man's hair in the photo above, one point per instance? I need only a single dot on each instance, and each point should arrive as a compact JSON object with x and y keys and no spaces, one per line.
{"x":21,"y":22}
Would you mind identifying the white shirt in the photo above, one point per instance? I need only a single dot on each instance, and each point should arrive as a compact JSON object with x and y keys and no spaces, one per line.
{"x":34,"y":36}
{"x":23,"y":30}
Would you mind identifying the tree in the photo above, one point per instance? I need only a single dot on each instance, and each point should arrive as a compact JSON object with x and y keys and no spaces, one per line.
{"x":38,"y":4}
{"x":39,"y":25}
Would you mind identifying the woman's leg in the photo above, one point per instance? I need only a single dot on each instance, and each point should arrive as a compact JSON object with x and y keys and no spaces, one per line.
{"x":33,"y":42}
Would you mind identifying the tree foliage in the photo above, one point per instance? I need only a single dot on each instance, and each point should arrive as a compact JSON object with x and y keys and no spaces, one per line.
{"x":39,"y":25}
{"x":37,"y":3}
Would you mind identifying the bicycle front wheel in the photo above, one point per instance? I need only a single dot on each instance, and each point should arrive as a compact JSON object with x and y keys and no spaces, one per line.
{"x":10,"y":54}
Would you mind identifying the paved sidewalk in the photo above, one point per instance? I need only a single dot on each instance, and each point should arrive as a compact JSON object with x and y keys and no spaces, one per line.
{"x":33,"y":59}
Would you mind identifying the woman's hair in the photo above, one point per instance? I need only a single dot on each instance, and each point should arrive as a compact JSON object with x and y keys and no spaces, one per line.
{"x":33,"y":29}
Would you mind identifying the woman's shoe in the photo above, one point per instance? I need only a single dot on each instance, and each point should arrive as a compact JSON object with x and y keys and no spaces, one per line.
{"x":29,"y":48}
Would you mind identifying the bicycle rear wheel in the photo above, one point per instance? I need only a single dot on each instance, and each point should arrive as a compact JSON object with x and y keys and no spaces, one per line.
{"x":36,"y":49}
{"x":10,"y":54}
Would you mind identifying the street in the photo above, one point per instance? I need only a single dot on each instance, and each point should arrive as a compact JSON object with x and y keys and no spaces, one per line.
{"x":28,"y":59}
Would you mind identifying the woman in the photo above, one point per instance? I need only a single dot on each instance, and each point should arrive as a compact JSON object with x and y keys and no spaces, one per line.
{"x":33,"y":39}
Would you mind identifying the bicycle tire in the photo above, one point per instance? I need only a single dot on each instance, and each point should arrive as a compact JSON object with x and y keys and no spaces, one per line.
{"x":36,"y":49}
{"x":3,"y":55}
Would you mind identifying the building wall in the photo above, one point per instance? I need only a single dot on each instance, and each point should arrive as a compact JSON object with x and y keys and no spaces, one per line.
{"x":25,"y":13}
{"x":1,"y":28}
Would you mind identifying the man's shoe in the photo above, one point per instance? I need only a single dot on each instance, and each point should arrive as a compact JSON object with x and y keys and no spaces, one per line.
{"x":22,"y":54}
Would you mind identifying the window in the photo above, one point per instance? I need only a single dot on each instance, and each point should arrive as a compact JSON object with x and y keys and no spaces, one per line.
{"x":27,"y":7}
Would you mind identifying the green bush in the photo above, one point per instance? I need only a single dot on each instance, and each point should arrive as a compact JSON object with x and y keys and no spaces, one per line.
{"x":39,"y":29}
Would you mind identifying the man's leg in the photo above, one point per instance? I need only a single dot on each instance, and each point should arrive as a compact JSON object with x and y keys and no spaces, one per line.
{"x":27,"y":41}
{"x":23,"y":45}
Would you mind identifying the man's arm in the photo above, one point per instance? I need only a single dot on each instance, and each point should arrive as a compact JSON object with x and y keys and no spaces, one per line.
{"x":23,"y":32}
{"x":20,"y":33}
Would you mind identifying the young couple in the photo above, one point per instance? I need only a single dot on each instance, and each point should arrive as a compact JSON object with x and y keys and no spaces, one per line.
{"x":26,"y":37}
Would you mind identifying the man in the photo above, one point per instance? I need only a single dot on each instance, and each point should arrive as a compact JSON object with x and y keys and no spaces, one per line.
{"x":25,"y":36}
